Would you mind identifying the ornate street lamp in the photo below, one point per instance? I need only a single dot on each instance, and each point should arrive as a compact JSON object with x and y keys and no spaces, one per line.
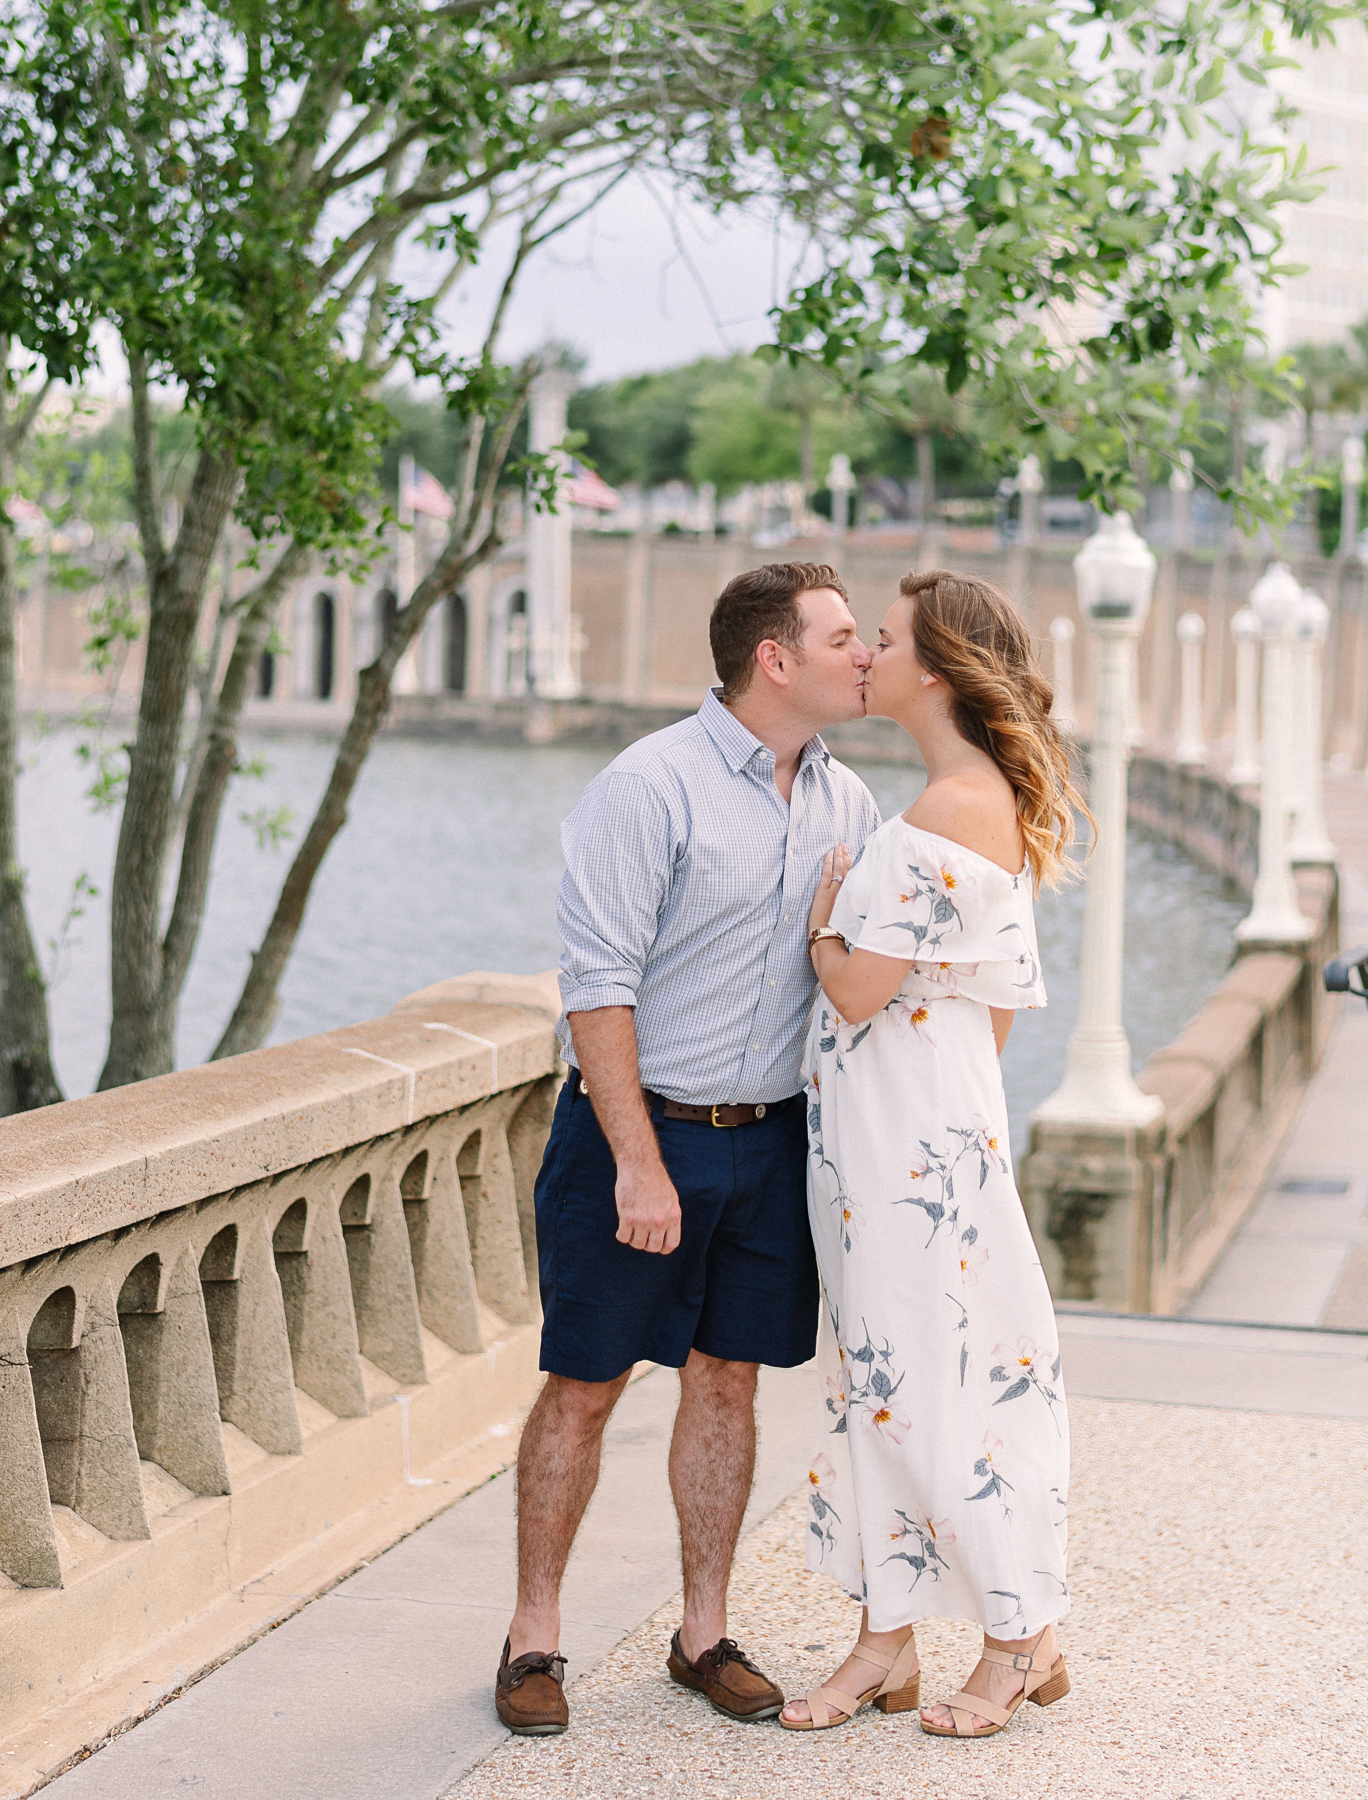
{"x":1114,"y":573}
{"x":1275,"y":917}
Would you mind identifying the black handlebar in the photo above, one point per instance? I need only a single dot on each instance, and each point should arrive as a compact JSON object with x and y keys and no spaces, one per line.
{"x":1340,"y":973}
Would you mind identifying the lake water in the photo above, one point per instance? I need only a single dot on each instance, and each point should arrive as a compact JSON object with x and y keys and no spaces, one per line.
{"x":450,"y":862}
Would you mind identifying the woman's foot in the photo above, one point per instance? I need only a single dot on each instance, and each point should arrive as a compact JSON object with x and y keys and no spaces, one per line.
{"x":855,"y":1675}
{"x":994,"y":1682}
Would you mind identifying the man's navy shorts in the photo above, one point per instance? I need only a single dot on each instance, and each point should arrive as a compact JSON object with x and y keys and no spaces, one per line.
{"x":742,"y":1286}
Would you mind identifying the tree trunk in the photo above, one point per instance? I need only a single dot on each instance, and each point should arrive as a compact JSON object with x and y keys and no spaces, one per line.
{"x":141,"y":1040}
{"x":26,"y":1074}
{"x":215,"y":771}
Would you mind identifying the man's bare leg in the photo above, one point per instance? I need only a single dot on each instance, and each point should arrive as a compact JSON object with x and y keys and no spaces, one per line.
{"x":712,"y":1464}
{"x":558,"y":1470}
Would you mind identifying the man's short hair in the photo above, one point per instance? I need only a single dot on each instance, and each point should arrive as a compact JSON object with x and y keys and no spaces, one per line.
{"x":761,"y":604}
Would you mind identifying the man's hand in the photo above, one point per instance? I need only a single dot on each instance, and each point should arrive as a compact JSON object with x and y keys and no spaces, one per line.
{"x":647,"y":1204}
{"x":648,"y":1209}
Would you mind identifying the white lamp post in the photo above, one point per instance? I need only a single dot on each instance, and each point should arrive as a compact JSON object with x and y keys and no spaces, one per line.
{"x":1062,"y":637}
{"x":1245,"y":629}
{"x":1275,"y":917}
{"x":840,"y":485}
{"x":1310,"y":840}
{"x":1191,"y":747}
{"x":1115,"y":576}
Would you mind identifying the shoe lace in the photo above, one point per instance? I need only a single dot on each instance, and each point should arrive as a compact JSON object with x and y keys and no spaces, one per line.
{"x":541,"y":1662}
{"x":727,"y":1650}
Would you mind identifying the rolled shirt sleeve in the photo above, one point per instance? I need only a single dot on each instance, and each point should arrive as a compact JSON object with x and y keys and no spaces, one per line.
{"x":619,"y":850}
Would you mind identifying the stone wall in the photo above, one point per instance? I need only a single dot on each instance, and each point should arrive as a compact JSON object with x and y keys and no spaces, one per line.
{"x":214,"y":1287}
{"x":1135,"y":1220}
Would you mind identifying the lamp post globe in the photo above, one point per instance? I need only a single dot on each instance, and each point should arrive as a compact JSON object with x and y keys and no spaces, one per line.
{"x":1114,"y":572}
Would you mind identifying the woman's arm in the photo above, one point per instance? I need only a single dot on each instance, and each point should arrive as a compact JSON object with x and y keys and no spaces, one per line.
{"x":858,"y":983}
{"x":1002,"y":1025}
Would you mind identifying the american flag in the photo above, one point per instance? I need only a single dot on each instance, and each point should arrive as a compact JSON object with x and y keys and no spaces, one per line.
{"x":587,"y":488}
{"x":427,"y":495}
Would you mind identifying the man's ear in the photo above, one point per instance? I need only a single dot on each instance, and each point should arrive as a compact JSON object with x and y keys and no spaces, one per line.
{"x":772,"y":658}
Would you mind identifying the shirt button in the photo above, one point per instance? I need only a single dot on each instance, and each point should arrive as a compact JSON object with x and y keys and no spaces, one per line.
{"x":771,"y":981}
{"x":787,"y":917}
{"x":755,"y":1047}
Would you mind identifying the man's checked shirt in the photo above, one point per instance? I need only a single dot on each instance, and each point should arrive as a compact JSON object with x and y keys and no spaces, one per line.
{"x":686,"y":896}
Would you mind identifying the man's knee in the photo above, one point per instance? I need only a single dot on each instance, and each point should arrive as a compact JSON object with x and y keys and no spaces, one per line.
{"x":584,"y":1405}
{"x":730,"y":1385}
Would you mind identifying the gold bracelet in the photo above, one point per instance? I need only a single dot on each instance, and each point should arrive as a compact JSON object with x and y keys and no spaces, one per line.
{"x":819,"y":932}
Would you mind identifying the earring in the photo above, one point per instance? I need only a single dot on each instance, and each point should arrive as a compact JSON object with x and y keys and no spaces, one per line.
{"x":925,"y":679}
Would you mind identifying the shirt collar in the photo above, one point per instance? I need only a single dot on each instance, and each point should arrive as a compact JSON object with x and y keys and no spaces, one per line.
{"x":739,"y":746}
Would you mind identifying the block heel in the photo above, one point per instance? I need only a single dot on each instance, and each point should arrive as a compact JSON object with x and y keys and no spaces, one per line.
{"x":1055,"y":1688}
{"x":906,"y":1699}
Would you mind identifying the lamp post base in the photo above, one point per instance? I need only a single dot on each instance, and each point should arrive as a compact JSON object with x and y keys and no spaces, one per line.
{"x":1274,"y":925}
{"x":1098,"y":1087}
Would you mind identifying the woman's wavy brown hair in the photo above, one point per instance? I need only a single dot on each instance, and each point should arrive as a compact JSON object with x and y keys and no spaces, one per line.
{"x":973,"y":637}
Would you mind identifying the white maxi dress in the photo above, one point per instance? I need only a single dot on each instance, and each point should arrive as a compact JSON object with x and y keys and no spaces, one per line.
{"x":939,"y":1484}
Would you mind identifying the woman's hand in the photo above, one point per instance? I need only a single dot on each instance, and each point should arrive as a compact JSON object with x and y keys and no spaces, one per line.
{"x":836,"y":866}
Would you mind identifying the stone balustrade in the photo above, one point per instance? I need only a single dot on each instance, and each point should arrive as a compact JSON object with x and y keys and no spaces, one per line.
{"x":213,"y":1287}
{"x":1135,"y":1220}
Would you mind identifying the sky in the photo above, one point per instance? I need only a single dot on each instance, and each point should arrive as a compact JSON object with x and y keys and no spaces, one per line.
{"x":647,"y":280}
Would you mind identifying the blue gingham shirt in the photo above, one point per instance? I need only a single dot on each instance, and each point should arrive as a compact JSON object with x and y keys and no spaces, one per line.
{"x":686,"y":895}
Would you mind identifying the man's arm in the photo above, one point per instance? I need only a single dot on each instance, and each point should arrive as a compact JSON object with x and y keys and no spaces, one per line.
{"x":606,"y":1051}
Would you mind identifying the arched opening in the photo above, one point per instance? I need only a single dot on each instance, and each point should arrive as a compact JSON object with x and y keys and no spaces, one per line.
{"x":454,"y":643}
{"x":55,"y":1368}
{"x":325,"y":633}
{"x":265,"y":676}
{"x":139,"y":1293}
{"x":290,"y":1246}
{"x":218,"y":1269}
{"x":413,"y":1191}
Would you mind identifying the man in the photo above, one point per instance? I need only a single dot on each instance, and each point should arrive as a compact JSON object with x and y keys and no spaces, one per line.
{"x":671,"y":1205}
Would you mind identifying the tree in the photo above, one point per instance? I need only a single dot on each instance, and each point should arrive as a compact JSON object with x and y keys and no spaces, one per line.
{"x":1024,"y":215}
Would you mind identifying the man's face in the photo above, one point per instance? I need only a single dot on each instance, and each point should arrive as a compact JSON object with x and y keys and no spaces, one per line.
{"x":828,"y":683}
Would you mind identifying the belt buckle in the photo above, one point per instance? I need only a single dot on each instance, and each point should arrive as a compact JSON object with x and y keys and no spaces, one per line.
{"x":720,"y":1124}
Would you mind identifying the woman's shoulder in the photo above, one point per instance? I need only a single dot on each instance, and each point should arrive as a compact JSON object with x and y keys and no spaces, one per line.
{"x":970,"y":818}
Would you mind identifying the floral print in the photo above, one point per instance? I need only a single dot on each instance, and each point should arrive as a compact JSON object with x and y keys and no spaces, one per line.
{"x":941,"y":1410}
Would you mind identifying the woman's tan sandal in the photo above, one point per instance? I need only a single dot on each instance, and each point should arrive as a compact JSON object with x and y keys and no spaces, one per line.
{"x":1047,"y":1680}
{"x":899,"y":1691}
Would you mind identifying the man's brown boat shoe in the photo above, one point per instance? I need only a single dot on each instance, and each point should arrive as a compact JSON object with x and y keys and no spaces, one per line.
{"x":529,"y":1693}
{"x":729,"y":1679}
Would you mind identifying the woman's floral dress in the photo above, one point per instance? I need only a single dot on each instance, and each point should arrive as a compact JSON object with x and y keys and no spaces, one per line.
{"x":939,"y":1485}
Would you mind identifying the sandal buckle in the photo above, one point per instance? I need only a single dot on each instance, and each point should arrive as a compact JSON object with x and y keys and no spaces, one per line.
{"x":1022,"y":1668}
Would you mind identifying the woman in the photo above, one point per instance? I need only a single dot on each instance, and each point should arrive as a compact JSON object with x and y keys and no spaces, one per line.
{"x":940,"y":1482}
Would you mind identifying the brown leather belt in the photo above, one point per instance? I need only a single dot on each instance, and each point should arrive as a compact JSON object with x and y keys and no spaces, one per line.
{"x":722,"y":1116}
{"x":725,"y":1117}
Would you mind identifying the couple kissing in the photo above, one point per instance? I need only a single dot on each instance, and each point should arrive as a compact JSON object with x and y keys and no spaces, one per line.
{"x":783,"y":1133}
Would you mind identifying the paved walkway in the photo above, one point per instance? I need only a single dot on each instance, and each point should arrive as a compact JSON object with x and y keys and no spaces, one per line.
{"x":1218,"y":1564}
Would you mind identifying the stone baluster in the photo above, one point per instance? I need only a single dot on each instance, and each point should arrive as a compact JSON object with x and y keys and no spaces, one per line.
{"x":1275,"y":917}
{"x":1062,"y":638}
{"x":1310,"y":841}
{"x":1244,"y":628}
{"x":1191,"y":748}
